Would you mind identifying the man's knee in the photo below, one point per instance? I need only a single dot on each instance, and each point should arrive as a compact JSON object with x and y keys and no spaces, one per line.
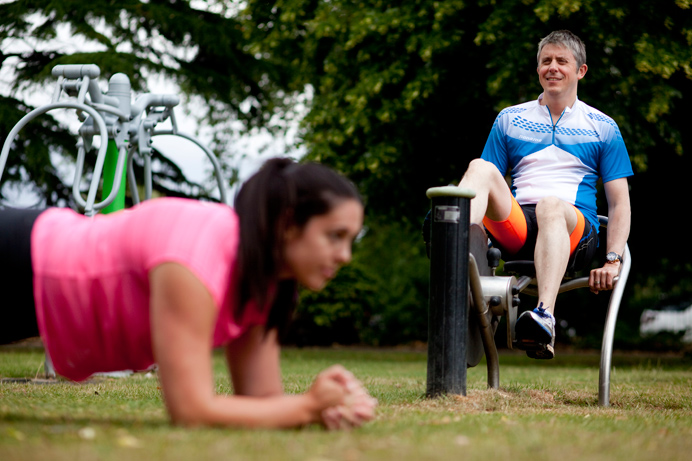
{"x":548,"y":204}
{"x":552,"y":208}
{"x":480,"y":169}
{"x":478,"y":165}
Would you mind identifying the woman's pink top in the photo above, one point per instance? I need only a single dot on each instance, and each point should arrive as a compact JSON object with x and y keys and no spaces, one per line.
{"x":91,"y":279}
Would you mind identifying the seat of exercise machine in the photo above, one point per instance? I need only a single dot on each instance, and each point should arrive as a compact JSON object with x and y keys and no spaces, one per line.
{"x":527,"y":268}
{"x":521,"y":267}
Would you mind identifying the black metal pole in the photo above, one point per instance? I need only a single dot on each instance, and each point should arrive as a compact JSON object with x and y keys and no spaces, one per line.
{"x":449,"y":290}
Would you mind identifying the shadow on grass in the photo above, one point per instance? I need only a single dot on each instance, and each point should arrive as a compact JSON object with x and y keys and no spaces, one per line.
{"x":112,"y":422}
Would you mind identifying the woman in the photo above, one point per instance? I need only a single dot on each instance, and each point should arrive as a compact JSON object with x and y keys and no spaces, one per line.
{"x":166,"y":281}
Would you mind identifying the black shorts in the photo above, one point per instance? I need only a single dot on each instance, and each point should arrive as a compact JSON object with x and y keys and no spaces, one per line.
{"x":17,"y":311}
{"x":584,"y":249}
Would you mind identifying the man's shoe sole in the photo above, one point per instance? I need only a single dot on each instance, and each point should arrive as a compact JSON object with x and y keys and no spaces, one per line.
{"x":546,"y":354}
{"x":529,"y":345}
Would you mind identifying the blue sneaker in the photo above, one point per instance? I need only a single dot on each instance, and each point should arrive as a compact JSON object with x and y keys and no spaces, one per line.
{"x":535,"y":333}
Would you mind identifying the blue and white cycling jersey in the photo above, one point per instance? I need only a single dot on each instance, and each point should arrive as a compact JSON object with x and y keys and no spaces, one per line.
{"x":563,"y":159}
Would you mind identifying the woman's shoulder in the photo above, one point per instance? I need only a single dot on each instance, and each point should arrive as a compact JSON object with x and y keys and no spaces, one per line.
{"x":177,"y":213}
{"x":183,"y":204}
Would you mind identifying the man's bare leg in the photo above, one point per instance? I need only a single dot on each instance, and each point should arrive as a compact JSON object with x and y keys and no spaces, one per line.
{"x":493,"y":197}
{"x":556,"y":220}
{"x":535,"y":329}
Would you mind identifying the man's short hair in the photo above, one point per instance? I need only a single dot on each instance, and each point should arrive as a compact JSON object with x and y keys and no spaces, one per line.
{"x":568,"y":40}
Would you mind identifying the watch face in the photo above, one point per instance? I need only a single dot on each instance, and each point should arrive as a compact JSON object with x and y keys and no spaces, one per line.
{"x":611,"y":257}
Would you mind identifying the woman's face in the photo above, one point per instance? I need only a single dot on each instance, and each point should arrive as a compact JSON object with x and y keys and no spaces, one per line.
{"x":314,"y":254}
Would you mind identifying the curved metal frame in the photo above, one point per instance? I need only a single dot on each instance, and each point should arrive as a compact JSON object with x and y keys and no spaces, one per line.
{"x":115,"y":119}
{"x":89,"y":204}
{"x":210,"y":155}
{"x":568,"y":285}
{"x":609,"y":328}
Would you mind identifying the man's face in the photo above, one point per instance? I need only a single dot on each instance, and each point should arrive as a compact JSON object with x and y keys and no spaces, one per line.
{"x":558,"y":72}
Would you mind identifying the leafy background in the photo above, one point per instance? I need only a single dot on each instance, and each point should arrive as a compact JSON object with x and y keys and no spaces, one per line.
{"x":401,"y":96}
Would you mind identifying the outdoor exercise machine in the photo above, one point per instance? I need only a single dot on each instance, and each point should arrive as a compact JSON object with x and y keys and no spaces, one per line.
{"x":126,"y":129}
{"x":467,"y":298}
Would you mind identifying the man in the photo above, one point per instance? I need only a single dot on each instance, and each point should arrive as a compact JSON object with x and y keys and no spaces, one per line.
{"x":556,"y":149}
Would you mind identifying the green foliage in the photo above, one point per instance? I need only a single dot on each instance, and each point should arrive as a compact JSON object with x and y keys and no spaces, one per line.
{"x":339,"y":314}
{"x":378,"y":299}
{"x":388,"y":83}
{"x":394,"y":255}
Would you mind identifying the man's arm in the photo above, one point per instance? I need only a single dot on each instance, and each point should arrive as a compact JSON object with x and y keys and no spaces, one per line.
{"x":619,"y":218}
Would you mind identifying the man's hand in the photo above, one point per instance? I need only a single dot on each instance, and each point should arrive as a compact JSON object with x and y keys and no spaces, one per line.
{"x":604,"y":278}
{"x":619,"y":220}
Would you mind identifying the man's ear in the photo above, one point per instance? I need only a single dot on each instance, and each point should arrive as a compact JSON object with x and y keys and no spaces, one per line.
{"x":582,"y":71}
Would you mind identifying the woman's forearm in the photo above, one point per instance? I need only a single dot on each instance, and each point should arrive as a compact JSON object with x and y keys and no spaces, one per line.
{"x":282,"y":411}
{"x":182,"y":322}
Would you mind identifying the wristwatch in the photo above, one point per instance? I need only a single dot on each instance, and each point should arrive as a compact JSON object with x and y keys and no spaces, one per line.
{"x":612,"y":258}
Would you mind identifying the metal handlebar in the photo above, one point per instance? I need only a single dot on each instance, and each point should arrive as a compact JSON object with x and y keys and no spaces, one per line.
{"x":76,"y":71}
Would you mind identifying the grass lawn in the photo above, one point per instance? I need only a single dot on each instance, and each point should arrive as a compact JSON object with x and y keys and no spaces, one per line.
{"x":544,"y":411}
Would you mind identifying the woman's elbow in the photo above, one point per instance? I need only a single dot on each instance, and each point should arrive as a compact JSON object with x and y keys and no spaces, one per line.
{"x":189,"y":413}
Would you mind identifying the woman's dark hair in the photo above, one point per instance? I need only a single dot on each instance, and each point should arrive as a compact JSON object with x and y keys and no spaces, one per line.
{"x":281,"y":194}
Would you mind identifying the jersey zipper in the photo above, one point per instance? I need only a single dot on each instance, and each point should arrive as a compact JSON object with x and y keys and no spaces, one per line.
{"x":558,"y":120}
